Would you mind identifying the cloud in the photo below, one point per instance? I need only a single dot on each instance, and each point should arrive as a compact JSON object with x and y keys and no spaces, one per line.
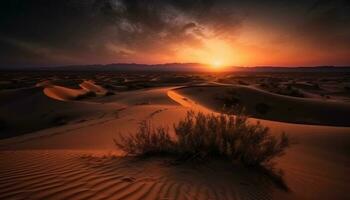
{"x":326,"y":25}
{"x":102,"y":31}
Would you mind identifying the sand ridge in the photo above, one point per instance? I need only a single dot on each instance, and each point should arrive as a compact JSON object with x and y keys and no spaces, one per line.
{"x":87,"y":88}
{"x":34,"y":110}
{"x":90,"y":86}
{"x":88,"y":175}
{"x":278,"y":107}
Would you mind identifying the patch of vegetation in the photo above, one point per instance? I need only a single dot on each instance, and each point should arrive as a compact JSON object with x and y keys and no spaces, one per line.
{"x":203,"y":136}
{"x":147,"y":141}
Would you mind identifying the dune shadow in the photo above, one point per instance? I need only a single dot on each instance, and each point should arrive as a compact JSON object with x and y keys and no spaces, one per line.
{"x":216,"y":179}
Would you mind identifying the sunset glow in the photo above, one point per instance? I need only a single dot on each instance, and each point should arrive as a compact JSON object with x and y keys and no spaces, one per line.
{"x":217,"y":64}
{"x":230,"y":33}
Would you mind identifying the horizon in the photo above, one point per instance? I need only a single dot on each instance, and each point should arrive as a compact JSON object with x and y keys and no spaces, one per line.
{"x":208,"y":67}
{"x":215,"y":33}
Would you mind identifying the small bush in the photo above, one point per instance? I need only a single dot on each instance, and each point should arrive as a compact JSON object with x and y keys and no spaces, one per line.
{"x":201,"y":136}
{"x":147,"y":141}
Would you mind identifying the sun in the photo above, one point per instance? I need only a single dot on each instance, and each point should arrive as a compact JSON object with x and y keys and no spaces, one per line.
{"x":216,"y":64}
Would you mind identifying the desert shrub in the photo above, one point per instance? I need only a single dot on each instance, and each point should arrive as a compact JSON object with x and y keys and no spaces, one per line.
{"x":228,"y":136}
{"x":147,"y":141}
{"x":202,"y":136}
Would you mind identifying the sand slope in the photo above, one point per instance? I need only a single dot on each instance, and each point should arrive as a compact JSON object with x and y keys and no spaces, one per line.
{"x":91,"y":86}
{"x":87,"y":88}
{"x":280,"y":108}
{"x":80,"y":175}
{"x":63,"y":93}
{"x":80,"y":161}
{"x":27,"y":110}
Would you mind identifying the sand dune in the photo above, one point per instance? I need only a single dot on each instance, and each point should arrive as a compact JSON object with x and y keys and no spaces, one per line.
{"x":80,"y":161}
{"x":34,"y":110}
{"x":92,"y":87}
{"x":277,"y":107}
{"x":63,"y":93}
{"x":156,"y":96}
{"x":88,"y":89}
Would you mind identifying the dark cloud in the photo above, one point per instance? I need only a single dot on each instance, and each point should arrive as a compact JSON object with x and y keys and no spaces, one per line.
{"x":95,"y":31}
{"x":79,"y":28}
{"x":326,"y":25}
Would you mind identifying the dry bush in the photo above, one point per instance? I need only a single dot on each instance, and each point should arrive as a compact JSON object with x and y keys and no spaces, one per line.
{"x":203,"y":136}
{"x":147,"y":141}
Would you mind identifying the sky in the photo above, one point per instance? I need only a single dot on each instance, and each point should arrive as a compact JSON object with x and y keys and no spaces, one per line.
{"x":222,"y":32}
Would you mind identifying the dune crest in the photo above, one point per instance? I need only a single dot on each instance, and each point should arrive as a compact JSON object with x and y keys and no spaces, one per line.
{"x":63,"y":93}
{"x":264,"y":105}
{"x":87,"y":89}
{"x":90,"y":86}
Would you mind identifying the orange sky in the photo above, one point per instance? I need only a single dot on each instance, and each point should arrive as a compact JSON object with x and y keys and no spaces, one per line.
{"x":218,"y":33}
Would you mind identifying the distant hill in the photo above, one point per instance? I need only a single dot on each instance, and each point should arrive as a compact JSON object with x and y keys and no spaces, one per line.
{"x":183,"y":67}
{"x":293,"y":69}
{"x":134,"y":67}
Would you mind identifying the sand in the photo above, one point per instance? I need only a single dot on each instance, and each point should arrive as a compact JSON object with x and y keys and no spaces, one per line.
{"x":78,"y":160}
{"x":87,"y":88}
{"x":90,"y":86}
{"x":281,"y":108}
